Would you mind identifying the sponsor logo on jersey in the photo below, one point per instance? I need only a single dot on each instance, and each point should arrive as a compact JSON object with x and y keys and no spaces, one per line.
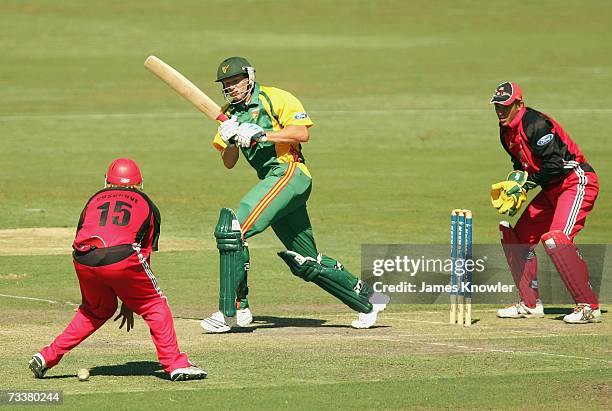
{"x":301,"y":115}
{"x":545,"y":139}
{"x":255,"y":114}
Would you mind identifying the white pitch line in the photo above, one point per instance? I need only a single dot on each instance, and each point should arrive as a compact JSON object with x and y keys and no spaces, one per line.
{"x":38,"y":299}
{"x":518,"y":337}
{"x":419,"y":321}
{"x":481,"y":349}
{"x":512,"y":351}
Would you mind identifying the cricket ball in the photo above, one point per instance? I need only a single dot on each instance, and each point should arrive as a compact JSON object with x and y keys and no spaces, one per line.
{"x":83,"y":374}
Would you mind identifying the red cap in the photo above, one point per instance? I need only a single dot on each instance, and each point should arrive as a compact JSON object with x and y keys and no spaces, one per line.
{"x":506,"y":93}
{"x":124,"y":172}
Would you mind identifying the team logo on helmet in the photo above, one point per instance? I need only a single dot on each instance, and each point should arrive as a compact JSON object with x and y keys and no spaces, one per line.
{"x":123,"y":171}
{"x":225,"y":68}
{"x":501,"y":91}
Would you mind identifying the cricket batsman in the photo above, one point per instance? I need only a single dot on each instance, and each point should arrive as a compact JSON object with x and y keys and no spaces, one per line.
{"x":118,"y":229}
{"x":268,"y":126}
{"x":543,"y":155}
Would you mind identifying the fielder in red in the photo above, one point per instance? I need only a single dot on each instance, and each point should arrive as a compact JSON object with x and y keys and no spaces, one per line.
{"x":118,"y":230}
{"x":544,"y":155}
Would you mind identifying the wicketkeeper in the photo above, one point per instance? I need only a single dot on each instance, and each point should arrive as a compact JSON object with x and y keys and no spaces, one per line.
{"x":544,"y":155}
{"x":269,"y":125}
{"x":118,"y":230}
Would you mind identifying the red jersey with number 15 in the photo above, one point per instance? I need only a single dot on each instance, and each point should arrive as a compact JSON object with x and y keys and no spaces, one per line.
{"x":118,"y":216}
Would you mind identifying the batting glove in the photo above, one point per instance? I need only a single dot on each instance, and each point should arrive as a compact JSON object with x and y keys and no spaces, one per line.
{"x":228,"y":130}
{"x":248,"y":132}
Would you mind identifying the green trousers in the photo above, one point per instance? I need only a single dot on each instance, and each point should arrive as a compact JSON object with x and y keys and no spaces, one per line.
{"x":279,"y":200}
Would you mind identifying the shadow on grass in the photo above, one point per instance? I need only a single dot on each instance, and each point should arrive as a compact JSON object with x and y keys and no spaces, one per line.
{"x":281,"y":322}
{"x":134,"y":368}
{"x":263,"y":322}
{"x":53,"y":377}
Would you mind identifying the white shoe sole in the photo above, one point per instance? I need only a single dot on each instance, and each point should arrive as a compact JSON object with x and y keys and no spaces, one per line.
{"x":521,"y":316}
{"x":592,"y":320}
{"x":213,"y":326}
{"x":189,"y":376}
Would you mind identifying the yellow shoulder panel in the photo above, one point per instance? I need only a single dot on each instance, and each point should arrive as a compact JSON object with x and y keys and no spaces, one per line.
{"x":287,"y":107}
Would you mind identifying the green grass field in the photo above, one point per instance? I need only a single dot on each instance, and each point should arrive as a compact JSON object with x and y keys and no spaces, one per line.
{"x":398,"y":91}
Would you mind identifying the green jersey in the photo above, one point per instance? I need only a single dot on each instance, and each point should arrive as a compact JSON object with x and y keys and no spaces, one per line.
{"x":272,"y":109}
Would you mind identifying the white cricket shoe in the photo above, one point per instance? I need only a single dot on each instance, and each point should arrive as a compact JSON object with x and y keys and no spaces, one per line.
{"x":216,"y":323}
{"x":38,"y":366}
{"x":379,"y":303}
{"x":244,"y":317}
{"x":583,"y":313}
{"x":520,"y":310}
{"x":189,"y":373}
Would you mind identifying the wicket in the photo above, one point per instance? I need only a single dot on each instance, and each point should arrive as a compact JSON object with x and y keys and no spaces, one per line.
{"x":461,"y":251}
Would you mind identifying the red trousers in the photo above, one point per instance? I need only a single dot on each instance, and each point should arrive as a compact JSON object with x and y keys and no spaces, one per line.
{"x":134,"y":283}
{"x":564,"y":207}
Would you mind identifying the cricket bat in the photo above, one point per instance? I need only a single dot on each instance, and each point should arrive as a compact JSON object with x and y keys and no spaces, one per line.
{"x":185,"y":88}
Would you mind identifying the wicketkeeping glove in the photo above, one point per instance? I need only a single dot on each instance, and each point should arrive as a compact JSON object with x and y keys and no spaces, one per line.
{"x":515,"y":185}
{"x":228,"y":130}
{"x":248,"y":132}
{"x":518,"y":203}
{"x":498,"y":193}
{"x":507,"y":197}
{"x":522,"y":178}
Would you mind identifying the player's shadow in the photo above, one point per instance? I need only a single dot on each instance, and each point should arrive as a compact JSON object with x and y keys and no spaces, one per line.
{"x":263,"y":321}
{"x":53,"y":377}
{"x":130,"y":369}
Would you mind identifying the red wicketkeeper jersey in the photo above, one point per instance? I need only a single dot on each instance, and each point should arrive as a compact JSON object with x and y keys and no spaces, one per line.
{"x":540,"y":146}
{"x":118,"y":216}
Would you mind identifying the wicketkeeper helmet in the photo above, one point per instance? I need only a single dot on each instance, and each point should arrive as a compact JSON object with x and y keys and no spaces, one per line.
{"x":123,"y":172}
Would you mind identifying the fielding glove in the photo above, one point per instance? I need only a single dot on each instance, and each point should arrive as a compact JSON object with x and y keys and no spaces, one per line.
{"x":248,"y":132}
{"x":228,"y":130}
